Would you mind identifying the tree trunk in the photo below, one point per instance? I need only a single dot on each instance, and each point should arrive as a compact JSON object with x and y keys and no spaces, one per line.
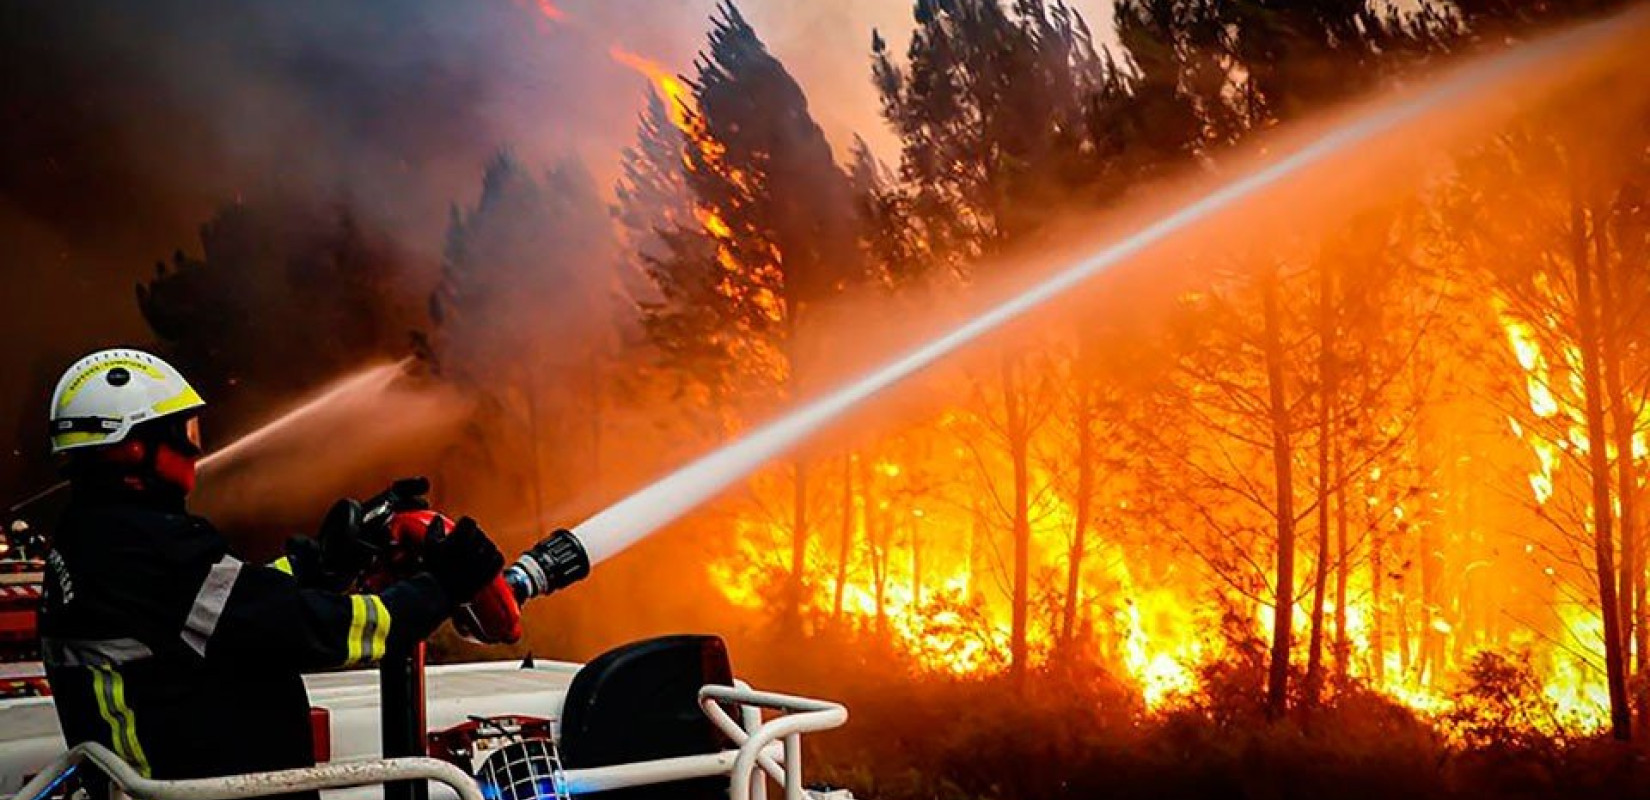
{"x":1084,"y":507}
{"x":1019,"y":448}
{"x":799,"y":536}
{"x":977,"y":566}
{"x":1377,"y":617}
{"x":1429,"y":638}
{"x":1622,"y":425}
{"x":1401,"y":611}
{"x":1277,"y":678}
{"x":845,"y":544}
{"x":916,"y":562}
{"x":1641,"y":630}
{"x":873,"y":543}
{"x":1598,"y":461}
{"x":1343,"y":559}
{"x":1326,"y":407}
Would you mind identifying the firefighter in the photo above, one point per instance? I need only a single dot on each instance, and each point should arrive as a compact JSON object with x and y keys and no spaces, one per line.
{"x":158,"y":641}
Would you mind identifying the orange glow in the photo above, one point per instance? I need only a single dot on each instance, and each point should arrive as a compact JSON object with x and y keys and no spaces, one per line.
{"x":920,"y":573}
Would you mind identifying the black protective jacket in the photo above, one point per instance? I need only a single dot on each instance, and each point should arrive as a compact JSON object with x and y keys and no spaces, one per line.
{"x":162,"y":645}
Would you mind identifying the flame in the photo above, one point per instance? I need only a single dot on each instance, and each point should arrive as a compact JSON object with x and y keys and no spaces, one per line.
{"x":1573,"y":681}
{"x":673,"y":88}
{"x":681,"y":107}
{"x":715,"y":226}
{"x":942,"y":601}
{"x":1530,"y":359}
{"x":928,"y":576}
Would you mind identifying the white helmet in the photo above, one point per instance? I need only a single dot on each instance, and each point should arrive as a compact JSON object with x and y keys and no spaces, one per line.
{"x":104,"y":395}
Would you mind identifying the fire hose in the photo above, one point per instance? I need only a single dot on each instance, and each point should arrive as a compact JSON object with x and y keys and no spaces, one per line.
{"x":371,"y":544}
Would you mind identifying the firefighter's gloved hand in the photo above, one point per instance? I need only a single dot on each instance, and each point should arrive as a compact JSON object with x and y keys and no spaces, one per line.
{"x":344,"y":551}
{"x":463,"y":560}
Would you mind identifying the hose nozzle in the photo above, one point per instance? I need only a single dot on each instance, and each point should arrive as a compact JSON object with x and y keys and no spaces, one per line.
{"x":556,"y":562}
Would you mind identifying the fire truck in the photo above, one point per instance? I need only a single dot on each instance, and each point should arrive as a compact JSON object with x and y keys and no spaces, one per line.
{"x":661,"y":718}
{"x":19,"y":645}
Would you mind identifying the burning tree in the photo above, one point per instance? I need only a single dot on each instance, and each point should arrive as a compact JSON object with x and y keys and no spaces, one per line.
{"x":779,"y":239}
{"x":1566,"y":244}
{"x":989,"y":108}
{"x":672,"y":251}
{"x":1273,"y":369}
{"x":1299,"y":431}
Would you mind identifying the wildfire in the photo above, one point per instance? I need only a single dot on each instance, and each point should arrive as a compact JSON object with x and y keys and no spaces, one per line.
{"x":923,"y":570}
{"x":942,"y":601}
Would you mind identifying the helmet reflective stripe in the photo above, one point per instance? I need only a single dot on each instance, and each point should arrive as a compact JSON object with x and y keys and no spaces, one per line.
{"x":104,"y":395}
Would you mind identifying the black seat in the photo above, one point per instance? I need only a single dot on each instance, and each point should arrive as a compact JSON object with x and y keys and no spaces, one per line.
{"x":640,"y":702}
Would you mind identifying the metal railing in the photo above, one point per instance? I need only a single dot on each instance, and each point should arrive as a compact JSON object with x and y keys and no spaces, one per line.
{"x":801,"y":715}
{"x":336,"y":775}
{"x":758,"y":743}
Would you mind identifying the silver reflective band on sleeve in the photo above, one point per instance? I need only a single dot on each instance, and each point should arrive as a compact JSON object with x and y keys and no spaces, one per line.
{"x":209,"y":603}
{"x":92,"y":652}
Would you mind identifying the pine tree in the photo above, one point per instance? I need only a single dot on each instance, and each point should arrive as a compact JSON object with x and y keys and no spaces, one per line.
{"x":285,"y":295}
{"x":780,"y":222}
{"x":524,"y":310}
{"x":990,"y":107}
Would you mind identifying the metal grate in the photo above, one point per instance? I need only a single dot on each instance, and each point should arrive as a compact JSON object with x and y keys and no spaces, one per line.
{"x":526,"y":769}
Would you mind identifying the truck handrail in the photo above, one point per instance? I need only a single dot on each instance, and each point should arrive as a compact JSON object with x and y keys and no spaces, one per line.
{"x":802,"y":715}
{"x":333,"y":775}
{"x":771,"y":745}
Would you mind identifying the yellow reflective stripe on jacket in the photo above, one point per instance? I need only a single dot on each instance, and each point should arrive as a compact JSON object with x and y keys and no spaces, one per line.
{"x":369,"y":629}
{"x":110,"y":688}
{"x":282,"y":564}
{"x":381,"y":631}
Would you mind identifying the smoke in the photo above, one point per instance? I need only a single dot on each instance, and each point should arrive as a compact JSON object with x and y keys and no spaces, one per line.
{"x":124,"y":127}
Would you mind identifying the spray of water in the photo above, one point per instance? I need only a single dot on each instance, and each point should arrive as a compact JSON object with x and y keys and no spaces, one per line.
{"x":653,"y":507}
{"x":373,"y":380}
{"x":369,"y":382}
